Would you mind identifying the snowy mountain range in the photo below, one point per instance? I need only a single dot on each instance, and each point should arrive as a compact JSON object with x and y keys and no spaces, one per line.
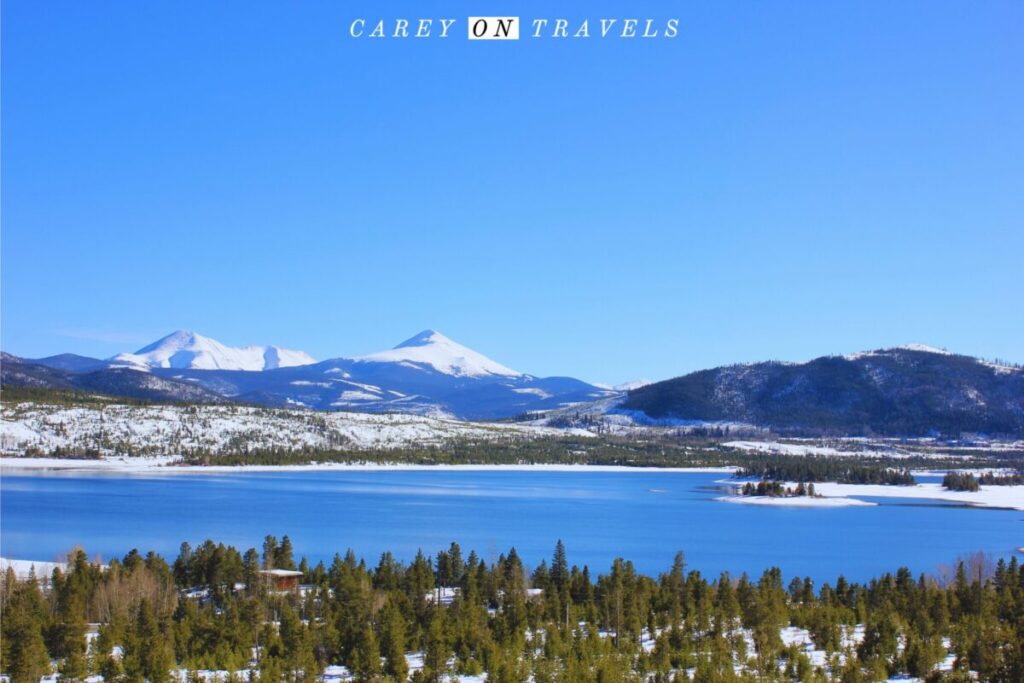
{"x":188,"y":350}
{"x":911,"y":390}
{"x":427,"y":374}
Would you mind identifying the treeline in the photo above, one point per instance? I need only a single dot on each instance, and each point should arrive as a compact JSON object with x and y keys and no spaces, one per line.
{"x":69,"y":397}
{"x":776,"y":489}
{"x":509,"y":451}
{"x":807,"y":468}
{"x":992,"y":479}
{"x":966,"y":481}
{"x":960,"y":481}
{"x":212,"y":609}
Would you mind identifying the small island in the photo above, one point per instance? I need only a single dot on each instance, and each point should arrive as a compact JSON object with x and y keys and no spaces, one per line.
{"x":776,"y":489}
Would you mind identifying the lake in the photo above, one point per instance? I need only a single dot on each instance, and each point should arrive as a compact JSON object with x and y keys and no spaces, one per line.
{"x":644,"y":516}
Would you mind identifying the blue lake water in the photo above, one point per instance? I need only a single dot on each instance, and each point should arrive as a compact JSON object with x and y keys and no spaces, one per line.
{"x":642,"y":516}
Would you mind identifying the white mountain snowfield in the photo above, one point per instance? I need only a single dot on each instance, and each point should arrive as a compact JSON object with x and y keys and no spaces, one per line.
{"x":114,"y":430}
{"x":625,"y":386}
{"x":433,"y":349}
{"x":183,"y":349}
{"x":188,"y":350}
{"x":923,"y":348}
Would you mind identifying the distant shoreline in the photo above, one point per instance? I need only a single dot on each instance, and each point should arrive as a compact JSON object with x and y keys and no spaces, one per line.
{"x":169,"y":465}
{"x":831,"y":494}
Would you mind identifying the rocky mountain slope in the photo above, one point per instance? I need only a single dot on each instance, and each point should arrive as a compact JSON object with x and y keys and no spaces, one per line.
{"x":910,"y":391}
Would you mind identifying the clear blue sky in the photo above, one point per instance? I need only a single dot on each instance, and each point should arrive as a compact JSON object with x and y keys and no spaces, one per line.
{"x":783,"y":180}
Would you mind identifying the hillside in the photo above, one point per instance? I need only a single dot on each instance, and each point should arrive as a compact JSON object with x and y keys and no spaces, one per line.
{"x":169,"y":430}
{"x":912,"y":391}
{"x":17,"y":373}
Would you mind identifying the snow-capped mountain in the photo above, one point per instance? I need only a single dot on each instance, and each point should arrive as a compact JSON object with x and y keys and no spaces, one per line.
{"x":433,"y":349}
{"x":901,"y":391}
{"x":428,"y":374}
{"x":188,"y":350}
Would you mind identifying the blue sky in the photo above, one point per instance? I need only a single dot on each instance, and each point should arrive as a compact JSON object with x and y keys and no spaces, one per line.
{"x":783,"y":180}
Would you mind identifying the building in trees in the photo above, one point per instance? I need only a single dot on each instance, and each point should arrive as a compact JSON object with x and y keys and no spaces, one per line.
{"x":281,"y":580}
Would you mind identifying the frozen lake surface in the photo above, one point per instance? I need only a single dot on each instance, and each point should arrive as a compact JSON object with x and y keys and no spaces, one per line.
{"x":639,"y":515}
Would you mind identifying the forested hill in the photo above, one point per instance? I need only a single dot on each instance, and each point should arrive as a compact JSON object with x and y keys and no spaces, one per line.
{"x":906,"y":391}
{"x":20,"y":378}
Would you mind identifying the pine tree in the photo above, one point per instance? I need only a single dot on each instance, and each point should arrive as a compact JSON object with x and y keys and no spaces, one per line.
{"x":559,"y":566}
{"x":147,"y":652}
{"x":284,"y":557}
{"x":26,"y":658}
{"x":392,"y":640}
{"x":74,"y":665}
{"x":364,"y":661}
{"x":437,"y":647}
{"x":269,"y":552}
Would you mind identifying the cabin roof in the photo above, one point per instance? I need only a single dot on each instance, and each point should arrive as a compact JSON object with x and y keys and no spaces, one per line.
{"x":279,"y":572}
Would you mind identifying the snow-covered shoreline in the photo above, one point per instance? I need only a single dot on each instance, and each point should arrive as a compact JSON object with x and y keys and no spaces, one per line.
{"x":1000,"y":497}
{"x":1005,"y":497}
{"x":796,"y":501}
{"x":167,"y":465}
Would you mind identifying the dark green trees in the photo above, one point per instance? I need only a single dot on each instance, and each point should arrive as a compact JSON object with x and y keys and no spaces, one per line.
{"x":22,"y":649}
{"x":556,"y":626}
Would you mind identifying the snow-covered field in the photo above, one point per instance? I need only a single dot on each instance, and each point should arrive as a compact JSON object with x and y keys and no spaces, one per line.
{"x":988,"y":496}
{"x":809,"y":448}
{"x":122,"y":429}
{"x":881,"y":447}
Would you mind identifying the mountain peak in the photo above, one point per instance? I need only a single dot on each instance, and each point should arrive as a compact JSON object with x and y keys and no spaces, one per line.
{"x":920,"y":348}
{"x":924,"y":348}
{"x":433,"y":349}
{"x":178,"y":337}
{"x":186,"y":349}
{"x":424,"y":338}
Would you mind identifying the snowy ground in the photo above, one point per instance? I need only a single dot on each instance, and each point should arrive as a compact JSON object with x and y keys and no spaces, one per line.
{"x":810,"y":448}
{"x":833,"y":495}
{"x":881,"y":447}
{"x":988,"y":496}
{"x":121,"y":429}
{"x":795,"y":501}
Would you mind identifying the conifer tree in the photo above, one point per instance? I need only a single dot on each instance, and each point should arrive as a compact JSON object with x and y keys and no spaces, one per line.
{"x":25,"y":657}
{"x":147,"y":653}
{"x":364,"y":662}
{"x":284,"y":555}
{"x":392,"y":640}
{"x":437,"y":647}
